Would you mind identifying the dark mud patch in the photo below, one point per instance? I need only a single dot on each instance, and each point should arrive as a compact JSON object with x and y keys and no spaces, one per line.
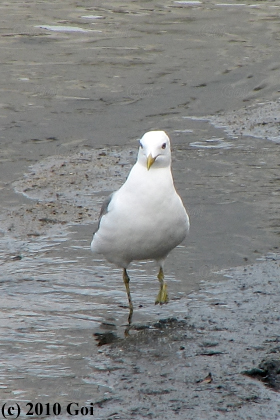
{"x":105,"y":338}
{"x":268,"y":372}
{"x":194,"y":367}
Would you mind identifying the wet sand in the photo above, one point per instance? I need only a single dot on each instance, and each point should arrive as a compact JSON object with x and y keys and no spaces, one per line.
{"x":79,"y":85}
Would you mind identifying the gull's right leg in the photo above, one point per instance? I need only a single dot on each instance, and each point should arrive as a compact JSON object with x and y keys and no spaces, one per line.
{"x":126,"y":283}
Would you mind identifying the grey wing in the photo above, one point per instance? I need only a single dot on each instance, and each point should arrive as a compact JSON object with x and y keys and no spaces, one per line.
{"x":104,"y":209}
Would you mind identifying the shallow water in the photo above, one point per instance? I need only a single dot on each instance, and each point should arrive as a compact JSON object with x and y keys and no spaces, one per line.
{"x":73,"y":105}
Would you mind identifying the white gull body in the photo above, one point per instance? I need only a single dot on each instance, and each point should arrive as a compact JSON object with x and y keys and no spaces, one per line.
{"x":145,"y":219}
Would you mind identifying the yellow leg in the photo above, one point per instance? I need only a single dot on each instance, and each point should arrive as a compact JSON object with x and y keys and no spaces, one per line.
{"x":162,"y":296}
{"x":126,"y":283}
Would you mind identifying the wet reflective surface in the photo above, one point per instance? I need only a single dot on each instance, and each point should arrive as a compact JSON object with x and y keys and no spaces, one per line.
{"x":79,"y":85}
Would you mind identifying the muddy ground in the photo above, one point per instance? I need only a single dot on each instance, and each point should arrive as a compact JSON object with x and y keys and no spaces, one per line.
{"x":80,"y":83}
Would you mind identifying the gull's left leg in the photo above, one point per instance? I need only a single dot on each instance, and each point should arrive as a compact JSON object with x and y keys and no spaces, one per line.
{"x":162,"y":296}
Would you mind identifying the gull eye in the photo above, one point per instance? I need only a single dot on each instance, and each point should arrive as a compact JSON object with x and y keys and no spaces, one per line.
{"x":163,"y":146}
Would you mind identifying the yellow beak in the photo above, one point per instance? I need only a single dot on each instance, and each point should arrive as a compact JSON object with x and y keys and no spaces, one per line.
{"x":150,"y":161}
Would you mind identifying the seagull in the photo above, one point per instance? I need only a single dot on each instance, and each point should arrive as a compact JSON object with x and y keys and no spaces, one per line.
{"x":145,"y":219}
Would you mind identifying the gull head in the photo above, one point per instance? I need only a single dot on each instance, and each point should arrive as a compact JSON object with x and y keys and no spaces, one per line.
{"x":154,"y":150}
